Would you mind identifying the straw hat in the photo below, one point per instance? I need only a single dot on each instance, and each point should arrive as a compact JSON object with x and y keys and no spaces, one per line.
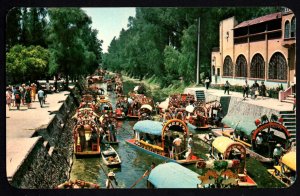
{"x":259,"y":133}
{"x":278,"y":145}
{"x":111,"y":174}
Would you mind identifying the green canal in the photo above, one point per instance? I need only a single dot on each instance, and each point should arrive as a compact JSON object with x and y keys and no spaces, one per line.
{"x":136,"y":162}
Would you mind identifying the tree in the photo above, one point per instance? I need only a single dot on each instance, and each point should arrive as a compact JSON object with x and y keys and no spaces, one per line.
{"x":73,"y":44}
{"x":26,"y":63}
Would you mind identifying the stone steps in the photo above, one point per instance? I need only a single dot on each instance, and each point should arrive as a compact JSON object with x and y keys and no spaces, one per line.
{"x":289,"y":121}
{"x":200,"y":96}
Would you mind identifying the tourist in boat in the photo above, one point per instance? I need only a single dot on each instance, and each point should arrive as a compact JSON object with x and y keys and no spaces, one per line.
{"x":259,"y":142}
{"x":271,"y":142}
{"x":190,"y":146}
{"x":81,"y":133}
{"x":277,"y":153}
{"x":111,"y":181}
{"x":112,"y":131}
{"x":177,"y":144}
{"x":208,"y":138}
{"x":94,"y":137}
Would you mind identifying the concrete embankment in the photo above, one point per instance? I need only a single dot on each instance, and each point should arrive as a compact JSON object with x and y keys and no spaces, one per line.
{"x":40,"y":149}
{"x":246,"y":111}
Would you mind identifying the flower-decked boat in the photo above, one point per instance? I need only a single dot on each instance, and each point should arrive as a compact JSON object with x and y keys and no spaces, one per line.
{"x":224,"y":148}
{"x":121,"y":107}
{"x":77,"y":184}
{"x":145,"y":112}
{"x":103,"y":106}
{"x":86,"y":135}
{"x":285,"y":171}
{"x":135,"y":102}
{"x":155,"y":138}
{"x":270,"y":131}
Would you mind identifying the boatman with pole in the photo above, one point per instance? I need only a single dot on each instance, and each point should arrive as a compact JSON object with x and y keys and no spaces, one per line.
{"x":111,"y":181}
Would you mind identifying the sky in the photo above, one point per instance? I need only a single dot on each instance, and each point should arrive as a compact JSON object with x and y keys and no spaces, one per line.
{"x":109,"y":22}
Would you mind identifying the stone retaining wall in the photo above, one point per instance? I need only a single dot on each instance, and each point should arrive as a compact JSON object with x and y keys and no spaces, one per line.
{"x":50,"y":161}
{"x":235,"y":106}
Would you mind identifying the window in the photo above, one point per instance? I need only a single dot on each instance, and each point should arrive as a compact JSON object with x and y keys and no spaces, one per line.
{"x":227,"y":66}
{"x":241,"y":66}
{"x":287,"y":29}
{"x":293,"y":27}
{"x":213,"y":70}
{"x":278,"y":67}
{"x":218,"y":71}
{"x":257,"y":68}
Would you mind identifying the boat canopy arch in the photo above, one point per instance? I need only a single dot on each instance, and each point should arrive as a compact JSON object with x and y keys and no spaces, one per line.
{"x":274,"y":125}
{"x":148,"y":126}
{"x":227,"y":146}
{"x":173,"y":175}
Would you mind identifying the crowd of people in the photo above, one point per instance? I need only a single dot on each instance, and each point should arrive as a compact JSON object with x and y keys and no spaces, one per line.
{"x":24,"y":95}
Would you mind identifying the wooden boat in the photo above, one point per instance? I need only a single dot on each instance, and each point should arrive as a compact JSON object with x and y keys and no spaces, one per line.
{"x":120,"y":114}
{"x":90,"y":144}
{"x":285,"y":171}
{"x":110,"y":156}
{"x":77,"y":184}
{"x":248,"y":136}
{"x":172,"y":175}
{"x":159,"y":130}
{"x":224,"y":148}
{"x":135,"y":103}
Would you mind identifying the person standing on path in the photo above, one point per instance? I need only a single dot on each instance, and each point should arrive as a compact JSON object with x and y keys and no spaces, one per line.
{"x":22,"y":91}
{"x":8,"y":97}
{"x":28,"y":97}
{"x":13,"y":99}
{"x":263,"y":90}
{"x":226,"y":87}
{"x":246,"y":89}
{"x":206,"y":83}
{"x":33,"y":91}
{"x":18,"y":97}
{"x":41,"y":96}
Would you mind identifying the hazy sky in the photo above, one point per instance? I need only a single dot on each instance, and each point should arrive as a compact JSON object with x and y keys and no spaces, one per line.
{"x":109,"y":22}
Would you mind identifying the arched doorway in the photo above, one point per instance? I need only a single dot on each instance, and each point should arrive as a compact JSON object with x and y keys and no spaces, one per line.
{"x":241,"y":66}
{"x":228,"y":66}
{"x":278,"y":67}
{"x":257,"y":68}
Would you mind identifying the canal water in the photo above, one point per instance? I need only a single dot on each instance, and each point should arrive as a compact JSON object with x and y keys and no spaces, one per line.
{"x":136,"y":162}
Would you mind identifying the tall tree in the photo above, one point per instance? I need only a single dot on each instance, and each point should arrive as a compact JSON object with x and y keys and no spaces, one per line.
{"x":70,"y":39}
{"x":13,"y":27}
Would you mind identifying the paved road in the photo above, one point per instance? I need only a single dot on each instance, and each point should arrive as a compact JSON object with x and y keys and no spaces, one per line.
{"x":21,"y":125}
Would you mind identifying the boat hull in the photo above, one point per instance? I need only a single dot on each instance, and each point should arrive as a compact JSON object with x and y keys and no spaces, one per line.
{"x":116,"y":157}
{"x":167,"y":159}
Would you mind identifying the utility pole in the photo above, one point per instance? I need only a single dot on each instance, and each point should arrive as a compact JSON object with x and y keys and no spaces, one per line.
{"x":198,"y":51}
